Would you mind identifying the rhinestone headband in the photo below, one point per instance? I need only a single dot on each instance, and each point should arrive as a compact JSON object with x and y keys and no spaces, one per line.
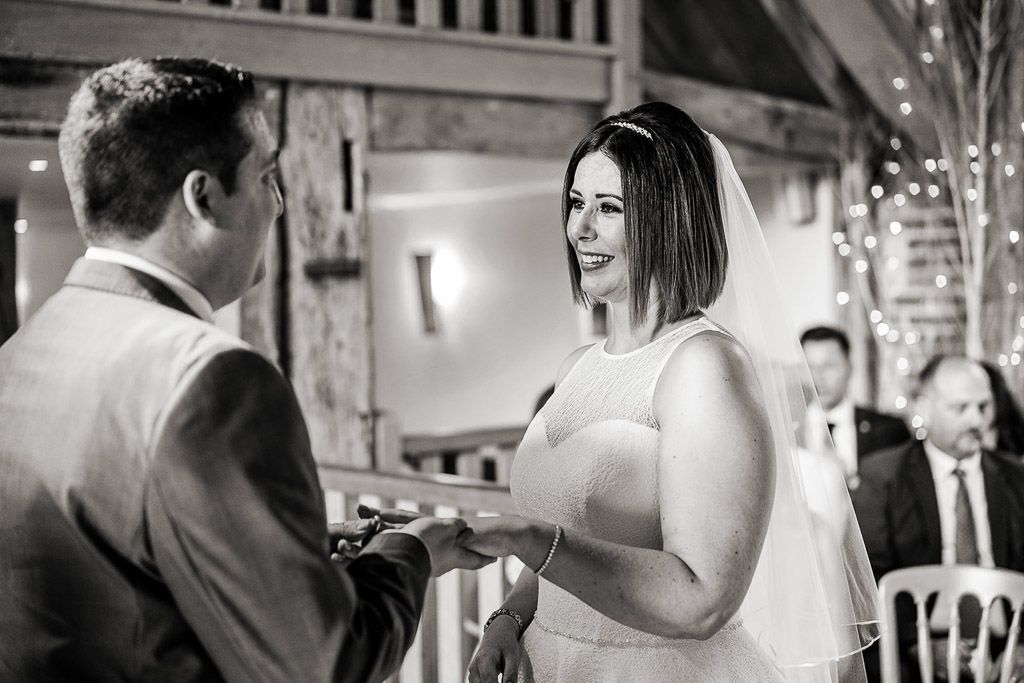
{"x":635,"y":128}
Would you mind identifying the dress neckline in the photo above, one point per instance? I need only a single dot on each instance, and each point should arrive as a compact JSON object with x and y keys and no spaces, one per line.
{"x":668,"y":335}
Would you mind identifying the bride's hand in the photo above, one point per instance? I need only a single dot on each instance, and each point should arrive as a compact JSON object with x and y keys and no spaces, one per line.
{"x":527,"y":539}
{"x":499,"y":653}
{"x":497,"y":536}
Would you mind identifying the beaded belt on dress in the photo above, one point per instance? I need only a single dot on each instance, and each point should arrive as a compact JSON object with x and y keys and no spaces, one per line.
{"x":650,"y":641}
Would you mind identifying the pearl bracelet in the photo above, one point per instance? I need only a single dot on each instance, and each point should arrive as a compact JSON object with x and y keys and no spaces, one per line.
{"x":551,"y":550}
{"x":507,"y":613}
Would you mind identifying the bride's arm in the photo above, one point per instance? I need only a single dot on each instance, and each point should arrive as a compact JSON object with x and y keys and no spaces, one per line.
{"x":716,"y":480}
{"x":522,"y":599}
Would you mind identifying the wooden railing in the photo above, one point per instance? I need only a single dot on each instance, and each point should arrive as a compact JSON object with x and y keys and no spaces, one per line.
{"x":476,"y":454}
{"x":457,"y":603}
{"x":582,"y":21}
{"x":555,"y":50}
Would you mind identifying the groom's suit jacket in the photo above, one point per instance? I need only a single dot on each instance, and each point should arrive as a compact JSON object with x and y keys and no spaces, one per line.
{"x":898,"y":512}
{"x":161,"y":518}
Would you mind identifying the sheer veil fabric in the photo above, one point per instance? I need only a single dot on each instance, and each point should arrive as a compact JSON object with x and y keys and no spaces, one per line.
{"x":812,"y":601}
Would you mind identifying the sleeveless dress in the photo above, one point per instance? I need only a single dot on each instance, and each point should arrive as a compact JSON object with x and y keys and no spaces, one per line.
{"x":588,"y":461}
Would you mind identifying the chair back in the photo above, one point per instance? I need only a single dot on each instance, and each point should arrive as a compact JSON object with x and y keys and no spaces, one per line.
{"x":949,"y":583}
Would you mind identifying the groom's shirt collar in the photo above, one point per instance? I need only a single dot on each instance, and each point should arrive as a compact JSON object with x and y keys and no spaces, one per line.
{"x":185,"y":291}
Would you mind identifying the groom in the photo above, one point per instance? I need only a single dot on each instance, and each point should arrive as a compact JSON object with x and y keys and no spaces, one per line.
{"x":160,"y":512}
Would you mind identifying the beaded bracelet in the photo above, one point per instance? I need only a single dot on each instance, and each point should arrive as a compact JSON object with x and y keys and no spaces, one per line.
{"x":551,"y":550}
{"x":508,"y":613}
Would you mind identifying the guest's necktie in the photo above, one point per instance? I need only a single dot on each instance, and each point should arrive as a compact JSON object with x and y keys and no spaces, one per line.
{"x":966,"y":537}
{"x":966,"y":553}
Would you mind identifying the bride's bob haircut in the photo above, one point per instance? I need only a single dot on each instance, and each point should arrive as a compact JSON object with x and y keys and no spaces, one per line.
{"x":674,"y":233}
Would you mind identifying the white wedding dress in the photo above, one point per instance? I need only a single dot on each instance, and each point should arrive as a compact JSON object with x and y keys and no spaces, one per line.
{"x":588,"y":461}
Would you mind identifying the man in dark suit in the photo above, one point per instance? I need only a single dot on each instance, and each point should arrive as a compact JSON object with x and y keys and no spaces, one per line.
{"x":160,"y":512}
{"x":943,"y":500}
{"x":853,"y":431}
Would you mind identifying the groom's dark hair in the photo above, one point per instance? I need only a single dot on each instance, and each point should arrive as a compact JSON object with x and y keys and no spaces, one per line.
{"x":674,"y":232}
{"x":135,"y":129}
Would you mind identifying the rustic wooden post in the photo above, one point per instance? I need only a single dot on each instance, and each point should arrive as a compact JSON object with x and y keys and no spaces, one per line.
{"x":853,"y":183}
{"x":327,"y":308}
{"x":583,"y":21}
{"x":626,"y":20}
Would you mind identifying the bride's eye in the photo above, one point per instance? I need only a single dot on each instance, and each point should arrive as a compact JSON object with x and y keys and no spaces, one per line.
{"x":577,"y":204}
{"x":610,"y":208}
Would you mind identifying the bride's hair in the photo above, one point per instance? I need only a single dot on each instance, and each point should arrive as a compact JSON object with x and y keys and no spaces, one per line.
{"x":674,"y":232}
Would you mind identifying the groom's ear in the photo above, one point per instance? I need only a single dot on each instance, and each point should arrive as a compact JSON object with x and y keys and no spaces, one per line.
{"x":196,"y":193}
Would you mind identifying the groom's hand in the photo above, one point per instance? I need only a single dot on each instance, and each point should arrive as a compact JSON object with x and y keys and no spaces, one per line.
{"x":392,"y":516}
{"x":349,"y":537}
{"x":444,"y":539}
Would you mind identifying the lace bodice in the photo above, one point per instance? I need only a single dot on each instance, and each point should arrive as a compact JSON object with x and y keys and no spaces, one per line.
{"x":600,"y":422}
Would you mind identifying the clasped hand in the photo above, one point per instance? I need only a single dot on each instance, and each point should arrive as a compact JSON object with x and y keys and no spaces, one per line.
{"x":452,"y":542}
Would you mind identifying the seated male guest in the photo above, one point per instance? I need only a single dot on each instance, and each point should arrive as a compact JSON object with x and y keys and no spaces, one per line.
{"x":856,"y":431}
{"x":946,"y":499}
{"x":161,"y":518}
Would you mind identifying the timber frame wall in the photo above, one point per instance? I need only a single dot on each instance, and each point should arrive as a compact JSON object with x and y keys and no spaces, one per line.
{"x":408,"y":76}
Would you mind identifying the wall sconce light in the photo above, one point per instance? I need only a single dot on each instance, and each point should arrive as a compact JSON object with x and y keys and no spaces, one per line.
{"x":424,"y":266}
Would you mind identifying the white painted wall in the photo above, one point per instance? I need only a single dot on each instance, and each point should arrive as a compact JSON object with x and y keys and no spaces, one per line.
{"x":802,"y":253}
{"x":493,"y":226}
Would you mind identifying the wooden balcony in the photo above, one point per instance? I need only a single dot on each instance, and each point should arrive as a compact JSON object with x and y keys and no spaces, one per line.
{"x":541,"y":49}
{"x":457,"y":603}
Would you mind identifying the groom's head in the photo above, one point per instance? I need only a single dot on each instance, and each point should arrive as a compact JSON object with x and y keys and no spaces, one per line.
{"x":135,"y":129}
{"x":172,"y":156}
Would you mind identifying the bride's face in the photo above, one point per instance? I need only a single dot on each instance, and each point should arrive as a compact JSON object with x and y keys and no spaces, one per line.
{"x":597,"y":229}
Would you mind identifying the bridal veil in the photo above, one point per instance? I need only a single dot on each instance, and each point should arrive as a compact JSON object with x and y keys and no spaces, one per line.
{"x":812,"y":601}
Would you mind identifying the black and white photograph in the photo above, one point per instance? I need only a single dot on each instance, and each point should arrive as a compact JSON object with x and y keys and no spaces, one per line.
{"x":512,"y":341}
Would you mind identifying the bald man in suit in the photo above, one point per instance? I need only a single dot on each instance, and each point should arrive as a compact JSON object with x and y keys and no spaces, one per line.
{"x":946,"y":499}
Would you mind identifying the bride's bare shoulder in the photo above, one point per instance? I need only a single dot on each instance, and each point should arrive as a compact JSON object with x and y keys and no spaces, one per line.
{"x":708,"y":363}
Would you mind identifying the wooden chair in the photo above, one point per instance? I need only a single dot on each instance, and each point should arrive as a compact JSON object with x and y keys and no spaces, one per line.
{"x":951,"y":583}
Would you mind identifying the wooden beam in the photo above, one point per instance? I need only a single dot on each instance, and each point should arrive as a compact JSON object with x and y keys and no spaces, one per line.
{"x":773,"y":125}
{"x":308,"y":48}
{"x":814,"y":53}
{"x":415,"y":121}
{"x":322,"y":164}
{"x":34,"y":96}
{"x":875,"y":50}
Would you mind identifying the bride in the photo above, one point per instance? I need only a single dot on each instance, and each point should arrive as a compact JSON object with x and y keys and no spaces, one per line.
{"x":664,"y":525}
